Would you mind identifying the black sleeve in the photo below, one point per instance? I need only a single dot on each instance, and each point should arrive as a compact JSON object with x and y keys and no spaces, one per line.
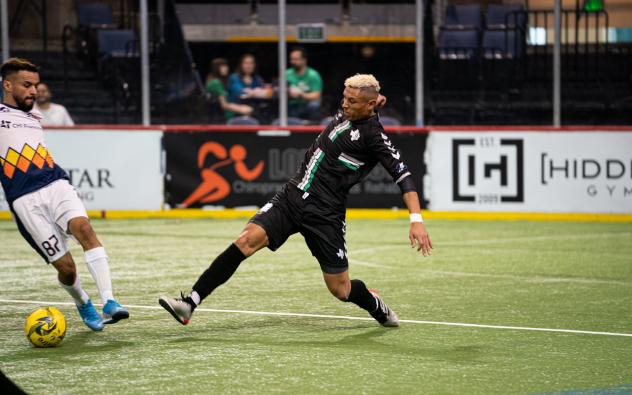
{"x":385,"y":152}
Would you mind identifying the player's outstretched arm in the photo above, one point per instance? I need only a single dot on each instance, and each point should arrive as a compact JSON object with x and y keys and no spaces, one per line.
{"x":418,"y":235}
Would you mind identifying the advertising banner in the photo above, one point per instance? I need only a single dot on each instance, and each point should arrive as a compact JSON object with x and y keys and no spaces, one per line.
{"x":240,"y":169}
{"x":562,"y":172}
{"x":111,"y":170}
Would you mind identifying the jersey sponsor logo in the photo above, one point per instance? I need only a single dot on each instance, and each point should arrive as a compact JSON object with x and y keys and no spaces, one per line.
{"x":338,"y":130}
{"x":5,"y":124}
{"x":214,"y":186}
{"x":22,"y":160}
{"x":312,"y":167}
{"x":355,"y":135}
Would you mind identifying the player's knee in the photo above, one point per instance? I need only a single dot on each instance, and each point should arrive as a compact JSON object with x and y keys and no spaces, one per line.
{"x":249,"y":243}
{"x":85,"y":231}
{"x":67,"y":272}
{"x":341,"y":293}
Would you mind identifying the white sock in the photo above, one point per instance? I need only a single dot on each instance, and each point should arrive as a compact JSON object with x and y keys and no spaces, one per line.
{"x":97,"y":262}
{"x":78,"y":294}
{"x":195,"y":297}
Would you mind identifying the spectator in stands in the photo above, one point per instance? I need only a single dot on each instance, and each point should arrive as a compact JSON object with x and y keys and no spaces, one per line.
{"x":54,"y":114}
{"x":305,"y":86}
{"x":216,"y":83}
{"x":245,"y":84}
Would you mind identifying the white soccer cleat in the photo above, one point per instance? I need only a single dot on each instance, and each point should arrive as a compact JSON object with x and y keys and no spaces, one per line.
{"x":383,"y":314}
{"x":179,"y":309}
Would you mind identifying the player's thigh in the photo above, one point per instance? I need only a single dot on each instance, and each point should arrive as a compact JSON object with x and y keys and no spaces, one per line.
{"x":38,"y":227}
{"x":276,"y":219}
{"x":326,"y":241}
{"x":65,"y":205}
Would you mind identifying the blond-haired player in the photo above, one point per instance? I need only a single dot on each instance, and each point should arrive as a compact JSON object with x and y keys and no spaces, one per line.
{"x":313,"y":203}
{"x":46,"y":208}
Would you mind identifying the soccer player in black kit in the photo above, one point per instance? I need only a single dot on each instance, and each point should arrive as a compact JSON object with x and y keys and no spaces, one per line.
{"x":314,"y":204}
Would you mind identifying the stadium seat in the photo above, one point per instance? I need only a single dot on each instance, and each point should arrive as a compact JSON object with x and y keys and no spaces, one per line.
{"x":214,"y":14}
{"x":117,"y":43}
{"x":326,"y":121}
{"x":382,"y":14}
{"x":243,"y":121}
{"x":389,"y":121}
{"x":268,"y":14}
{"x":95,"y":15}
{"x":460,"y":17}
{"x":458,"y":44}
{"x":506,"y":16}
{"x":501,"y":44}
{"x":292,"y":121}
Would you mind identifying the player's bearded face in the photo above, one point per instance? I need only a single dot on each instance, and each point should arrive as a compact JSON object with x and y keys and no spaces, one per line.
{"x":357,"y":105}
{"x":23,"y":89}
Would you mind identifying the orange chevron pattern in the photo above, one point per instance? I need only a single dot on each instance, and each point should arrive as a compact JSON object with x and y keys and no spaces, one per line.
{"x":23,"y":160}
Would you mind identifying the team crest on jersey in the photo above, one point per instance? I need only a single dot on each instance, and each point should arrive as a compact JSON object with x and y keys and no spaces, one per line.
{"x":355,"y":135}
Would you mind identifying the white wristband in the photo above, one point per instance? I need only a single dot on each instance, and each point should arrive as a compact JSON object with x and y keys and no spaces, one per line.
{"x":416,"y":217}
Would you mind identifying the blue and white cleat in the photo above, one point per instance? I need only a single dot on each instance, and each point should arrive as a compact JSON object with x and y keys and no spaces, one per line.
{"x":90,"y":316}
{"x":113,"y":312}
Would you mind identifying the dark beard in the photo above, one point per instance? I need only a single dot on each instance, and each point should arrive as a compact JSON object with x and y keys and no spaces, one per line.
{"x":22,"y":104}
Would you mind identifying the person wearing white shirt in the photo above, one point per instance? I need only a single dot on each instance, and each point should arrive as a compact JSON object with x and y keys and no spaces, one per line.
{"x":53,"y":114}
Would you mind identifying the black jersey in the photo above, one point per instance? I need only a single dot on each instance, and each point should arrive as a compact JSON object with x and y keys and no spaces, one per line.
{"x":343,"y":155}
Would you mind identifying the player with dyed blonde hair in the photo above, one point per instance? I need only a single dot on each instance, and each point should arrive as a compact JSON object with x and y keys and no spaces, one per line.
{"x":46,"y":208}
{"x":313,"y":203}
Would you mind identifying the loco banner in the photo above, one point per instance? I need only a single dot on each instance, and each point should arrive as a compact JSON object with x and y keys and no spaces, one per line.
{"x":240,"y":169}
{"x":565,"y":172}
{"x":111,"y":170}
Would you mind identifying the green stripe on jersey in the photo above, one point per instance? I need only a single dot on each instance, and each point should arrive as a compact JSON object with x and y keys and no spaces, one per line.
{"x":349,"y":165}
{"x":338,"y":130}
{"x":312,"y":166}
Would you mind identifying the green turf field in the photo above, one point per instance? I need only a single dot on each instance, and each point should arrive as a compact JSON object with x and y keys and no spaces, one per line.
{"x":575,"y":276}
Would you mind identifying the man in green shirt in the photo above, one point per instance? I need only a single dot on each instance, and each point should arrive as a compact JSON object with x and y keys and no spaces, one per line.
{"x":305,"y":87}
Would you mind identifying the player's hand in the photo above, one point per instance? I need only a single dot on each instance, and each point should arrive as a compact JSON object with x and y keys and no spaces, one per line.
{"x":419,"y":238}
{"x":381,"y":101}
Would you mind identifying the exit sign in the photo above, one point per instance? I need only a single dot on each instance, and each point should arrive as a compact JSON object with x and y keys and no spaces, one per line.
{"x":311,"y":33}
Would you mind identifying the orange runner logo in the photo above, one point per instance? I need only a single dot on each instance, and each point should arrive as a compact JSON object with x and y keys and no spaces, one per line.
{"x":214,"y":186}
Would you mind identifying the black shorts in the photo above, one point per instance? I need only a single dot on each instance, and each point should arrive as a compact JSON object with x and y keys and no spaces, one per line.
{"x":291,"y":211}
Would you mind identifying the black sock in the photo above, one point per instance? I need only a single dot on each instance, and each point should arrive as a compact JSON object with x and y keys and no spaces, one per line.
{"x":361,"y":296}
{"x":218,"y":273}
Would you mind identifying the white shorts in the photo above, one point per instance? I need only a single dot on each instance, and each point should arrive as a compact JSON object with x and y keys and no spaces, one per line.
{"x":43,"y":216}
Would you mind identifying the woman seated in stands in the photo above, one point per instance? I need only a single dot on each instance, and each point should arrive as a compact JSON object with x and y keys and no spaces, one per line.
{"x":244,"y":85}
{"x":216,"y":83}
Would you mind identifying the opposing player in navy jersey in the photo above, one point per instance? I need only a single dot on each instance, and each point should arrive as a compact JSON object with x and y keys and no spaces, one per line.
{"x":313,"y":203}
{"x":46,"y":208}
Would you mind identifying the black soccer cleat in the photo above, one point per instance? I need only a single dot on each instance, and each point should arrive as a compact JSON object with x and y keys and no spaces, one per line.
{"x":385,"y":316}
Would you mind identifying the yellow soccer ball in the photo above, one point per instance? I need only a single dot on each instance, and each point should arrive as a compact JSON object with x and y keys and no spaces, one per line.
{"x":45,"y":327}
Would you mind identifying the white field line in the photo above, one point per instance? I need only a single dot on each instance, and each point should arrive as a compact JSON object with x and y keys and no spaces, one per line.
{"x":498,"y":241}
{"x":527,"y":278}
{"x":343,"y":317}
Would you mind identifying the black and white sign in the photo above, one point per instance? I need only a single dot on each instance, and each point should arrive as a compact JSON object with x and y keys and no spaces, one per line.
{"x":588,"y":172}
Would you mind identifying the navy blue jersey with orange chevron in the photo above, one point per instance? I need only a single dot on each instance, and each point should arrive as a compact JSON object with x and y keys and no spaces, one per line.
{"x":343,"y":155}
{"x":26,"y":165}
